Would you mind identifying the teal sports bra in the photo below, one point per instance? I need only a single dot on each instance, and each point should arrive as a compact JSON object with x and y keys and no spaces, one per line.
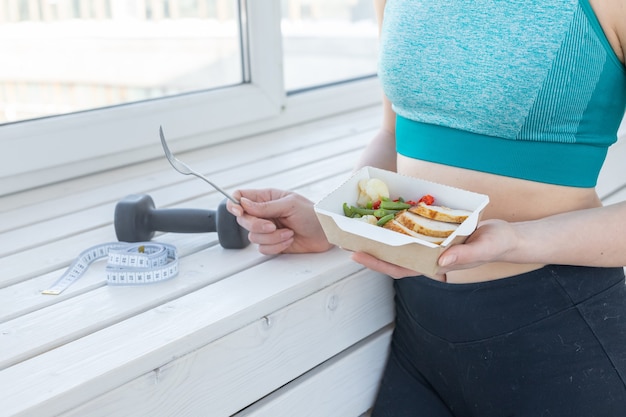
{"x":528,"y":89}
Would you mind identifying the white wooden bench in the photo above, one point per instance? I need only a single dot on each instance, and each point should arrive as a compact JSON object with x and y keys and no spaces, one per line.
{"x":236,"y":333}
{"x":307,"y":334}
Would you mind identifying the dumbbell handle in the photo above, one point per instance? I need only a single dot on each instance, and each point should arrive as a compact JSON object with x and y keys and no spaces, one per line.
{"x":181,"y":220}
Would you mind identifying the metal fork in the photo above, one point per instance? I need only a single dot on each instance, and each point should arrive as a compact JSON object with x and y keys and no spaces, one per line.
{"x":183,"y":168}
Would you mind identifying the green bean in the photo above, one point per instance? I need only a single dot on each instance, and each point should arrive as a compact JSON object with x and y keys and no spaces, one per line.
{"x":385,"y":219}
{"x":347,"y":211}
{"x":384,"y":212}
{"x":354,"y":211}
{"x":394,"y":205}
{"x":362,"y":211}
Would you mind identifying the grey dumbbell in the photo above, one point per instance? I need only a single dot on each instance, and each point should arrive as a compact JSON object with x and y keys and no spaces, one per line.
{"x":136,"y":220}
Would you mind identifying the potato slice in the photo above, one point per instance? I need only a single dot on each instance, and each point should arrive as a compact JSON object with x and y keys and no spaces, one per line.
{"x":372,"y":189}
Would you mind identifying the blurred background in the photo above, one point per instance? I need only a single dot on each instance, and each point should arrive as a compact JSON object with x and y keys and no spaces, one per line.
{"x":64,"y":56}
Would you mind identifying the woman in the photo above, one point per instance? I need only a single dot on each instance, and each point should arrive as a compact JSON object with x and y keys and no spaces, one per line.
{"x":518,"y":100}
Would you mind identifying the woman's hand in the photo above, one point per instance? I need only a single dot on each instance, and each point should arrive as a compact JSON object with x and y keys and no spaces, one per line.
{"x":394,"y":271}
{"x":279,"y":221}
{"x":589,"y":237}
{"x":491,"y":242}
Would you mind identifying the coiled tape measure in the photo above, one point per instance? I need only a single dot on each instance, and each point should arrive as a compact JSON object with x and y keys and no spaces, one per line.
{"x":128,"y":264}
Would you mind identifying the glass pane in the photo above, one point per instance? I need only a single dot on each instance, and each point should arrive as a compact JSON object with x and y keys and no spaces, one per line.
{"x":325,"y":41}
{"x":62,"y":56}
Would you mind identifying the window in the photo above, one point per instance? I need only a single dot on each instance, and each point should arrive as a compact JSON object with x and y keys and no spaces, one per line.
{"x":327,"y":41}
{"x":98,"y":53}
{"x":85,"y":84}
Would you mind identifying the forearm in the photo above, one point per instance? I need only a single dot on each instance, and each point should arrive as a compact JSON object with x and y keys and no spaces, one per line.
{"x":592,"y":237}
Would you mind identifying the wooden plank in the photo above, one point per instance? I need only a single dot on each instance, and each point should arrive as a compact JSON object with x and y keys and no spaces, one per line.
{"x":35,"y":232}
{"x":60,"y":253}
{"x":344,"y":386}
{"x":210,"y":160}
{"x":215,"y":381}
{"x":91,"y":340}
{"x":25,"y":297}
{"x":49,"y":327}
{"x":240,"y":363}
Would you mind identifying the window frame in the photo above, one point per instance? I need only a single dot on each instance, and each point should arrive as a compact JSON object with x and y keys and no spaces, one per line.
{"x":46,"y":150}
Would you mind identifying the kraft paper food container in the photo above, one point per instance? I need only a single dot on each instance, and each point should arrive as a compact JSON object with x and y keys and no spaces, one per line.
{"x":397,"y":248}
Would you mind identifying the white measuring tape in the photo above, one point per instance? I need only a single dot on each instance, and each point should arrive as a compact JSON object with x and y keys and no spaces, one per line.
{"x":128,"y":264}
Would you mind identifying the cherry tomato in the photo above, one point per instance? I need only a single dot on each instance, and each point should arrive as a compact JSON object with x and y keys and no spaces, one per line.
{"x":427,"y":199}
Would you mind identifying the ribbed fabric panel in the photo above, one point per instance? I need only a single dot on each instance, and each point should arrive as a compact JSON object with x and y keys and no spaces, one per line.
{"x":566,"y":92}
{"x":550,"y":162}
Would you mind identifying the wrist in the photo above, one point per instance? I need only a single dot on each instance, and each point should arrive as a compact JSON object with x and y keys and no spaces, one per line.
{"x":523,"y":246}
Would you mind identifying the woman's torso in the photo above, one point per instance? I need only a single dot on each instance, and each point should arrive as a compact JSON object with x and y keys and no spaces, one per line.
{"x":510,"y":199}
{"x":513,"y":199}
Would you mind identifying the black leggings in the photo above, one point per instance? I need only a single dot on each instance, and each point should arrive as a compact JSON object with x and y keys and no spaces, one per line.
{"x":551,"y":342}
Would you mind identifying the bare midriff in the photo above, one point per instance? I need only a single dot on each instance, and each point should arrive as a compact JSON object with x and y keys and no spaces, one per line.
{"x":510,"y":199}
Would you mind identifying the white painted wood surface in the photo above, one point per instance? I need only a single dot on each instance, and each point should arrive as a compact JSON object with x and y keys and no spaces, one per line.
{"x":236,"y":333}
{"x":232,"y":328}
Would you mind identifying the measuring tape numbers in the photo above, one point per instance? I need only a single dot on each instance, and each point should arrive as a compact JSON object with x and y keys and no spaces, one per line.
{"x":128,"y":264}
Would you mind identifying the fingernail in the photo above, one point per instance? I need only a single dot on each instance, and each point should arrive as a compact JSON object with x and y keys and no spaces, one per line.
{"x":286,"y":234}
{"x":447,"y":260}
{"x":269,"y":227}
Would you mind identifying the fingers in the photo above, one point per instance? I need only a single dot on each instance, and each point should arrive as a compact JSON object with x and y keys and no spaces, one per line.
{"x":250,"y":195}
{"x":264,"y":233}
{"x":250,"y":215}
{"x":387,"y":268}
{"x":491,"y":241}
{"x":255,"y":224}
{"x":460,"y":257}
{"x":275,"y":208}
{"x":467,"y":255}
{"x":235,"y":209}
{"x":279,"y":221}
{"x":260,"y":218}
{"x":256,"y":213}
{"x":266,"y":203}
{"x":273,"y":244}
